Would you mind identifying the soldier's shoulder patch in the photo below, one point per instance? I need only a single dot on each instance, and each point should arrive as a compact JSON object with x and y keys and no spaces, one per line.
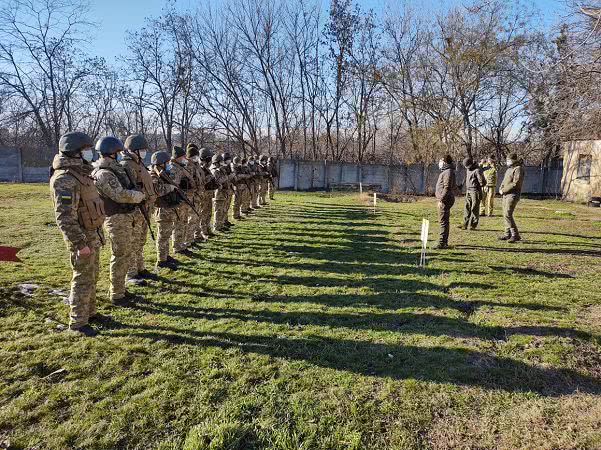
{"x":64,"y":197}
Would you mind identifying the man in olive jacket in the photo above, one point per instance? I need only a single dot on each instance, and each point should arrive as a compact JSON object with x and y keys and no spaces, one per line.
{"x":445,"y":194}
{"x":474,"y":183}
{"x":511,"y":189}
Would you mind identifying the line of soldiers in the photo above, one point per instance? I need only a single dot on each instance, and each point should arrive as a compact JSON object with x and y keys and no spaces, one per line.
{"x":190,"y":193}
{"x":480,"y":185}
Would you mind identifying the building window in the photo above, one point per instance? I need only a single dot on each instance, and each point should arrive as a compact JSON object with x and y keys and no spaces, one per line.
{"x":584,"y":167}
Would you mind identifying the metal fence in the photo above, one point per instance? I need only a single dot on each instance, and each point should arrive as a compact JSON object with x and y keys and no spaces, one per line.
{"x":324,"y":175}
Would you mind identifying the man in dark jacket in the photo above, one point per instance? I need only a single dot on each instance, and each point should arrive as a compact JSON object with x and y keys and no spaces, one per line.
{"x":511,"y":189}
{"x":474,"y":183}
{"x":445,"y":194}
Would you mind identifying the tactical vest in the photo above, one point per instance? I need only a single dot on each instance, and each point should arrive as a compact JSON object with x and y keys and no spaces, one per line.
{"x":144,"y":179}
{"x":90,"y":211}
{"x":111,"y":207}
{"x":187,"y":183}
{"x":171,"y":200}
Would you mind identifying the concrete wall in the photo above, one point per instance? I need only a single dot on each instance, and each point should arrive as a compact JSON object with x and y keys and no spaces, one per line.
{"x":581,"y":189}
{"x":412,"y":179}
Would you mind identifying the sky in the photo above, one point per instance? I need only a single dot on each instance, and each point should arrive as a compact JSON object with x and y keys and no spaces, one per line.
{"x":115,"y":17}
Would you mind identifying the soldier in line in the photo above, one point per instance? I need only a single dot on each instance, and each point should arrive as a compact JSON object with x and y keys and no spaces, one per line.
{"x":264,"y":176}
{"x":511,"y":189}
{"x":194,"y":234}
{"x":240,"y":187}
{"x":488,"y":196}
{"x":474,"y":183}
{"x":136,"y":148}
{"x":120,"y":200}
{"x":271,"y":182}
{"x":185,"y":180}
{"x":221,"y":177}
{"x":246,"y":197}
{"x":166,"y":206}
{"x":227,"y":166}
{"x":206,"y":198}
{"x":445,"y":194}
{"x":79,"y":213}
{"x":254,"y":184}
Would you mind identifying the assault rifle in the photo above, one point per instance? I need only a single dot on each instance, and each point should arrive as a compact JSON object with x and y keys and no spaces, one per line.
{"x":141,"y":206}
{"x":179,"y":191}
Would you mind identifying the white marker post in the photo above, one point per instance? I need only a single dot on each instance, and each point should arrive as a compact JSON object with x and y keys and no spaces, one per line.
{"x":424,"y":239}
{"x":375,"y":201}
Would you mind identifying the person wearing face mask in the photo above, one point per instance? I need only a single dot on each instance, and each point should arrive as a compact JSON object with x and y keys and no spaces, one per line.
{"x":240,"y":188}
{"x":254,"y":184}
{"x":511,"y":190}
{"x":445,"y":194}
{"x":474,"y":183}
{"x":120,"y":199}
{"x":166,"y":205}
{"x":221,"y":177}
{"x":79,"y":213}
{"x":194,"y":230}
{"x":206,"y":199}
{"x":186,"y":182}
{"x":136,"y":148}
{"x":490,"y":175}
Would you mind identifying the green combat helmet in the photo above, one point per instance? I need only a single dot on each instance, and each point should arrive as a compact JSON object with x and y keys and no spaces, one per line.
{"x":205,"y":154}
{"x":136,"y":142}
{"x":177,"y":152}
{"x":109,"y":145}
{"x":192,"y":150}
{"x":74,"y":142}
{"x":160,"y":158}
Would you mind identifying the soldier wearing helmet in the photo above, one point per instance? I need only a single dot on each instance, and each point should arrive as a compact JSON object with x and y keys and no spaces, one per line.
{"x":241,"y":187}
{"x":166,"y":204}
{"x":206,"y":198}
{"x":231,"y":186}
{"x":184,"y":178}
{"x":79,"y":213}
{"x":263,"y":180}
{"x":120,"y":198}
{"x":136,"y":149}
{"x":254,"y":183}
{"x":194,"y":228}
{"x":221,"y":177}
{"x":273,"y":176}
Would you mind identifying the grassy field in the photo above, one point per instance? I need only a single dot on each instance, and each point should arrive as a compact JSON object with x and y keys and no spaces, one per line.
{"x":309,"y":326}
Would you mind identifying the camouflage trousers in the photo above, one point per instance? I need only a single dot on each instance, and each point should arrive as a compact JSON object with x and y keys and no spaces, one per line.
{"x":82,"y":299}
{"x":119,"y":228}
{"x":254,"y":192}
{"x":219,"y":209}
{"x":488,"y":199}
{"x":240,"y":194}
{"x":193,"y":227}
{"x":270,"y":188}
{"x":206,"y":212}
{"x":165,"y":219}
{"x":138,"y":240}
{"x":263,"y":192}
{"x":228,"y":203}
{"x":180,"y":231}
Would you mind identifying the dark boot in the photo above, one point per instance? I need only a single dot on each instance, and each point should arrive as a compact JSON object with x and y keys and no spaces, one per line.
{"x":86,"y":330}
{"x":440,"y":246}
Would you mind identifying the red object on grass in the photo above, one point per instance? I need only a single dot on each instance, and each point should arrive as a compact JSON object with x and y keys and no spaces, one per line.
{"x":9,"y":254}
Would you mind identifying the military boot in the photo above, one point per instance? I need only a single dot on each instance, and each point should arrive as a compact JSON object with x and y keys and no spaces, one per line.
{"x":440,"y":246}
{"x":86,"y":330}
{"x":506,"y":236}
{"x":515,"y":237}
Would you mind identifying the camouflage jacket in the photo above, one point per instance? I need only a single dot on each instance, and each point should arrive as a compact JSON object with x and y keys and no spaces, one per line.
{"x":138,"y":175}
{"x":66,"y":197}
{"x":198,"y":174}
{"x":183,"y":177}
{"x":220,"y":175}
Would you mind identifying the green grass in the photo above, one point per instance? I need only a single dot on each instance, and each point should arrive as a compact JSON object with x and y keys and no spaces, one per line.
{"x":309,"y":326}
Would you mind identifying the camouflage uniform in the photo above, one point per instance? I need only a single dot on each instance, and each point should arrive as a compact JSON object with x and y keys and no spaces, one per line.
{"x":220,"y":197}
{"x":80,"y":222}
{"x":271,"y":182}
{"x":511,"y":189}
{"x":164,"y":215}
{"x":488,"y":193}
{"x":240,"y":187}
{"x":263,"y":183}
{"x":141,"y":179}
{"x":184,"y":179}
{"x":206,"y":201}
{"x":120,"y":198}
{"x":254,"y":184}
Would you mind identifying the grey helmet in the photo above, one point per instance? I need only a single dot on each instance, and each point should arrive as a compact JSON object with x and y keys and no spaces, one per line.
{"x":109,"y":145}
{"x":159,"y":158}
{"x":136,"y":142}
{"x":72,"y":143}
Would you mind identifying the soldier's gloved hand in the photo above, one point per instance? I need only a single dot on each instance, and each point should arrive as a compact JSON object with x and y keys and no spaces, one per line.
{"x":138,"y":196}
{"x":84,"y":251}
